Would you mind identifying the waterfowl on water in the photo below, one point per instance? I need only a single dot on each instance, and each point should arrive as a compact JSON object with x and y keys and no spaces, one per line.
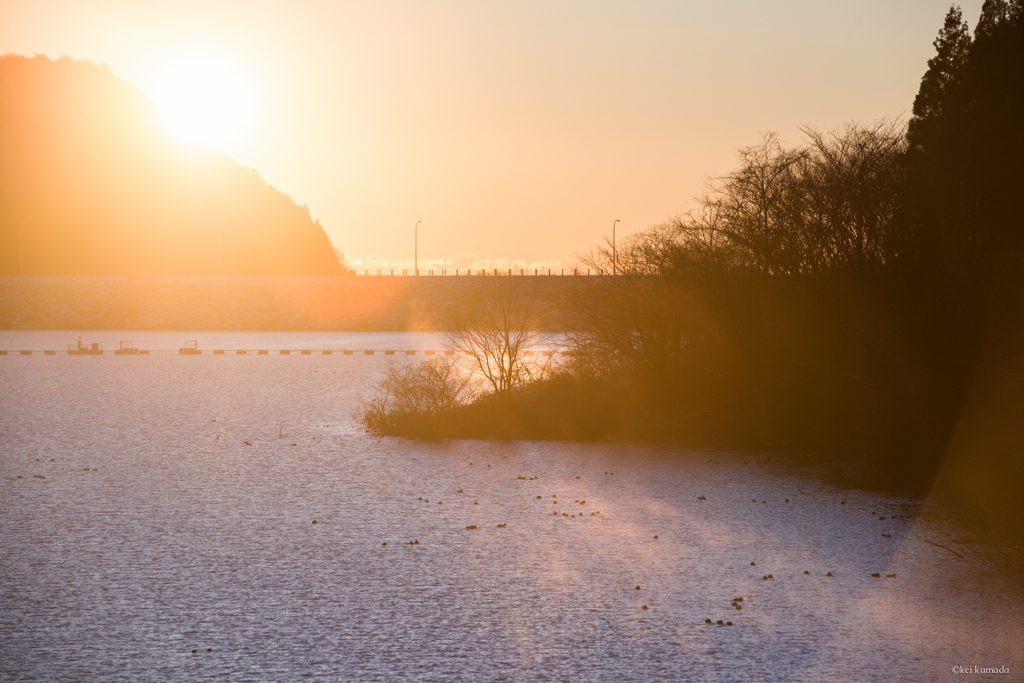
{"x":890,"y":576}
{"x":829,"y":574}
{"x":637,"y":588}
{"x":707,"y":621}
{"x":644,"y":607}
{"x":701,"y":498}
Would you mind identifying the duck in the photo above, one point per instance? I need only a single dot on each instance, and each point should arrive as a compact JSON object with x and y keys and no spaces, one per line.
{"x":829,"y":574}
{"x":707,"y":621}
{"x":701,"y":498}
{"x":876,"y":575}
{"x":644,"y":607}
{"x":637,"y":588}
{"x":501,"y":526}
{"x":471,"y":526}
{"x":890,"y":576}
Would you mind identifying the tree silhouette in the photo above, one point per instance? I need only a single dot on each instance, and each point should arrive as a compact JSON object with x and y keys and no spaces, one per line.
{"x":966,"y":145}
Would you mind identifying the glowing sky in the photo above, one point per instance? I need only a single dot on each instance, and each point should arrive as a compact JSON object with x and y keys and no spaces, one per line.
{"x":517,"y":130}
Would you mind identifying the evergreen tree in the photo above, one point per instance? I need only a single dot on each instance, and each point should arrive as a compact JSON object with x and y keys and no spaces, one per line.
{"x":966,"y":142}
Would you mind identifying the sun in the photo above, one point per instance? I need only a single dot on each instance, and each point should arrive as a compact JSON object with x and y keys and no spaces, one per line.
{"x":203,"y":100}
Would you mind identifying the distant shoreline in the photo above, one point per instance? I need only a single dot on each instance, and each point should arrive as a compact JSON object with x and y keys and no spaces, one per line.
{"x":245,"y":302}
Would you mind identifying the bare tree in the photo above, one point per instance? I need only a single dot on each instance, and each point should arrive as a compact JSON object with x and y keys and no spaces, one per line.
{"x":498,"y":332}
{"x":420,"y":390}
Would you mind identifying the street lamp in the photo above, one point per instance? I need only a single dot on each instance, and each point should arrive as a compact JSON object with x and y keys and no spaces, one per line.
{"x":614,"y":254}
{"x":416,"y":248}
{"x":21,"y":245}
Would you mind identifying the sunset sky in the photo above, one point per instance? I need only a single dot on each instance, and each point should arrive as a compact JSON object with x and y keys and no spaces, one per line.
{"x":514,"y":131}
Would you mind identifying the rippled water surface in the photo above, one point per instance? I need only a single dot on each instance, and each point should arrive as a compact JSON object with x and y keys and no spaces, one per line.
{"x":172,"y":539}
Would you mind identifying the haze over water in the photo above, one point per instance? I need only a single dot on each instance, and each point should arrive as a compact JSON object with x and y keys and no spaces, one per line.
{"x":158,"y":531}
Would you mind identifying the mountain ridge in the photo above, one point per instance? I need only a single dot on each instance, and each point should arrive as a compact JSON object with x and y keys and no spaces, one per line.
{"x":92,"y":183}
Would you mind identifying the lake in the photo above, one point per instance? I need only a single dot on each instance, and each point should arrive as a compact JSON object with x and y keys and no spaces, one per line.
{"x":156,"y":523}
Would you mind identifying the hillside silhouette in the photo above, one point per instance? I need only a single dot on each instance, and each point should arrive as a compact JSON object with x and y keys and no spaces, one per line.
{"x":91,"y":182}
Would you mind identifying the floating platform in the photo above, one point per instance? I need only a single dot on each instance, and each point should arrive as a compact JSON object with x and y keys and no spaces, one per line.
{"x":127,"y":348}
{"x":191,"y":348}
{"x":93,"y":349}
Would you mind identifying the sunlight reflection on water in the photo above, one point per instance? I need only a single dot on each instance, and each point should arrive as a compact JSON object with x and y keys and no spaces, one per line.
{"x":157,"y":530}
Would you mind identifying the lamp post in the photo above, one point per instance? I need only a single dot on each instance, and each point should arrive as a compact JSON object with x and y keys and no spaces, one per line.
{"x":21,"y":245}
{"x":416,"y":248}
{"x":614,"y":254}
